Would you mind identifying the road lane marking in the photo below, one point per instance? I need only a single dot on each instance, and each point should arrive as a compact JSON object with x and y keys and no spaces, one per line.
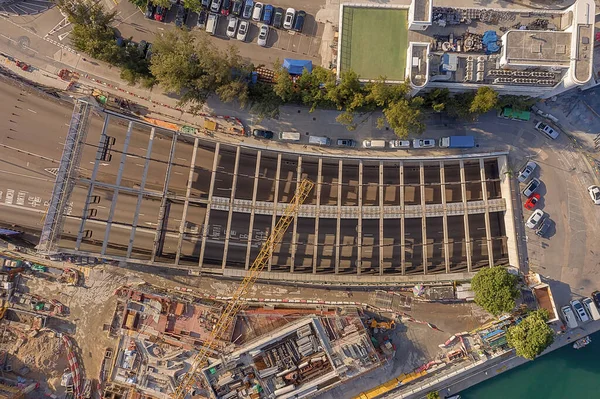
{"x":30,"y":110}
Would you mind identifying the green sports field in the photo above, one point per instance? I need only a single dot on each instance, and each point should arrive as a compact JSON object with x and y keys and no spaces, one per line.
{"x":374,"y":42}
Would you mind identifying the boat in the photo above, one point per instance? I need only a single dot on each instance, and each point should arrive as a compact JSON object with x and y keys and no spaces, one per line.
{"x":580,"y":343}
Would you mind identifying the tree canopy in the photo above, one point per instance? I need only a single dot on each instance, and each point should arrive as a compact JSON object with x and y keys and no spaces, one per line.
{"x":495,"y":289}
{"x":485,"y":100}
{"x":532,"y":335}
{"x":433,"y":395}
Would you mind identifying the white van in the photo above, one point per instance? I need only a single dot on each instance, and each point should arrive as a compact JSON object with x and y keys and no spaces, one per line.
{"x":211,"y":24}
{"x":289,"y":136}
{"x":591,"y":308}
{"x":374,"y":143}
{"x":569,"y":316}
{"x":319,"y":140}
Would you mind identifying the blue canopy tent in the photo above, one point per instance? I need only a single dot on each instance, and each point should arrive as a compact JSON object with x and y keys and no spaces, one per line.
{"x":296,"y":67}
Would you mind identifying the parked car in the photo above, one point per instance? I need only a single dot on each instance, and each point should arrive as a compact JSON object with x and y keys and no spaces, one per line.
{"x":547,"y":130}
{"x":531,"y":188}
{"x":243,"y":31}
{"x":232,"y":27}
{"x":526,"y":172}
{"x":580,"y":311}
{"x":215,"y":6}
{"x":299,"y":22}
{"x":263,"y":35}
{"x":543,"y":228}
{"x":591,"y":308}
{"x":236,"y":8}
{"x":248,"y":7}
{"x":225,"y":7}
{"x":535,"y":218}
{"x":278,"y":17}
{"x":596,"y":298}
{"x":569,"y":317}
{"x":161,"y":13}
{"x":346,"y":143}
{"x":150,"y":9}
{"x":595,"y":194}
{"x":263,"y":134}
{"x":181,"y":16}
{"x":267,"y":14}
{"x":289,"y":18}
{"x":532,"y":201}
{"x":257,"y":12}
{"x":423,"y":143}
{"x":205,"y":4}
{"x":399,"y":143}
{"x":202,"y":16}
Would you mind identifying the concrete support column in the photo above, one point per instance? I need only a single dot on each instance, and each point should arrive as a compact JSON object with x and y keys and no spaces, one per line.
{"x":187,"y":201}
{"x":445,"y":217}
{"x":402,"y":230}
{"x":423,"y":217}
{"x":488,"y":229}
{"x":463,"y":185}
{"x":295,"y":223}
{"x":251,"y":225}
{"x":275,"y":200}
{"x":211,"y":190}
{"x":339,"y":221}
{"x":381,"y":214}
{"x":316,"y":241}
{"x":359,"y":229}
{"x":231,"y":199}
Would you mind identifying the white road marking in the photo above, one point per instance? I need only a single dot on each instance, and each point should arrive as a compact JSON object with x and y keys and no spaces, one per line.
{"x":30,"y":110}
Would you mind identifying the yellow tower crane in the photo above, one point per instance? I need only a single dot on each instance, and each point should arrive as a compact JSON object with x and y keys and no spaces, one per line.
{"x":238,"y":300}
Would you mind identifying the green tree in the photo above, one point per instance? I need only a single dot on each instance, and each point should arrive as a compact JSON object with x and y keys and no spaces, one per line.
{"x":380,"y":93}
{"x":193,"y":5}
{"x":347,"y":118}
{"x":495,"y":289}
{"x":433,"y":395}
{"x":344,"y":93}
{"x":518,"y":103}
{"x":484,"y":101}
{"x":162,"y":3}
{"x":312,"y":87}
{"x":264,"y":102}
{"x":437,"y":99}
{"x":532,"y":335}
{"x":284,"y":86}
{"x":460,"y":105}
{"x":404,"y":116}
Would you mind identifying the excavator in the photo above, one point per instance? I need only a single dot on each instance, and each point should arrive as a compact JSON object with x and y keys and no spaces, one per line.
{"x":382,"y":325}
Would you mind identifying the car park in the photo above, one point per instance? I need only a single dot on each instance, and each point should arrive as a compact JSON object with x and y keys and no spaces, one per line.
{"x":423,"y":143}
{"x":532,"y":187}
{"x":532,"y":201}
{"x":591,"y":308}
{"x":267,"y":14}
{"x":299,"y":21}
{"x":202,"y":16}
{"x":399,"y":143}
{"x":278,"y":17}
{"x":346,"y":143}
{"x":580,"y":311}
{"x":547,"y":130}
{"x":594,"y":192}
{"x":161,"y":14}
{"x":236,"y":8}
{"x":215,"y":6}
{"x":543,"y":228}
{"x":289,"y":18}
{"x":535,"y":218}
{"x":225,"y":7}
{"x":243,"y":31}
{"x":232,"y":27}
{"x":525,"y":173}
{"x":248,"y":7}
{"x":150,"y":9}
{"x":263,"y":134}
{"x":263,"y":36}
{"x":257,"y":12}
{"x":569,"y":316}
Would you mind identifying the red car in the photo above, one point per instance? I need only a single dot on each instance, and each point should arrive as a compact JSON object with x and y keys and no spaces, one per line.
{"x":532,"y":201}
{"x":161,"y":13}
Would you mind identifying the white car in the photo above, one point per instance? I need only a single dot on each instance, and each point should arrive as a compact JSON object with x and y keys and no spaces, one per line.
{"x":547,"y":130}
{"x":526,"y":172}
{"x":399,"y":143}
{"x":243,"y":31}
{"x":569,"y":316}
{"x":215,"y":5}
{"x":595,"y":194}
{"x":232,"y":27}
{"x":263,"y":35}
{"x":257,"y":12}
{"x":288,"y":21}
{"x":532,"y":187}
{"x":580,"y":311}
{"x":535,"y":218}
{"x":423,"y":143}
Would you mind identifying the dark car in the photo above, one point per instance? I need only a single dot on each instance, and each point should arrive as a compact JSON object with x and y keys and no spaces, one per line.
{"x":225,"y":7}
{"x":263,"y":134}
{"x":248,"y":7}
{"x":236,"y":8}
{"x":181,"y":17}
{"x":149,"y":51}
{"x":161,"y":13}
{"x":205,"y":3}
{"x":278,"y":17}
{"x":150,"y":9}
{"x":142,"y":46}
{"x":267,"y":14}
{"x":544,"y":227}
{"x":346,"y":143}
{"x":299,"y":22}
{"x":596,"y":298}
{"x":202,"y":16}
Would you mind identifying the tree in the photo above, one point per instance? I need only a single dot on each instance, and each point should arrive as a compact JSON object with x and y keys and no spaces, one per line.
{"x":517,"y":103}
{"x":284,"y":86}
{"x":193,"y":5}
{"x":532,"y":335}
{"x":380,"y":93}
{"x":344,"y":93}
{"x":495,"y":289}
{"x":484,"y":101}
{"x":263,"y":101}
{"x":460,"y":106}
{"x":437,"y":99}
{"x":433,"y":395}
{"x":312,"y":87}
{"x":346,"y":118}
{"x":404,"y":116}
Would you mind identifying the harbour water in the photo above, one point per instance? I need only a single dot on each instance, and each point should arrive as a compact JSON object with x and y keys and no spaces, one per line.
{"x":563,"y":374}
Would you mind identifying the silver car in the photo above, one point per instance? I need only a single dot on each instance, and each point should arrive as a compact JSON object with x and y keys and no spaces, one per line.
{"x":232,"y":27}
{"x":526,"y":172}
{"x":243,"y":31}
{"x":423,"y":143}
{"x":531,"y":188}
{"x":580,"y":311}
{"x":288,"y":21}
{"x":263,"y":36}
{"x":547,"y":130}
{"x":399,"y":143}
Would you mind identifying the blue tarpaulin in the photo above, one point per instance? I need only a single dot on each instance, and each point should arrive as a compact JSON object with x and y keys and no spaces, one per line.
{"x":490,"y":41}
{"x":296,"y":67}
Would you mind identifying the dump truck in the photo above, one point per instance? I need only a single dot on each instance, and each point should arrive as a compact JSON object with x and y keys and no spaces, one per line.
{"x":457,"y":142}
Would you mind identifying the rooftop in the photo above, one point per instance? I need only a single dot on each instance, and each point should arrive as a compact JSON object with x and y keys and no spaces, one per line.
{"x":534,"y":47}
